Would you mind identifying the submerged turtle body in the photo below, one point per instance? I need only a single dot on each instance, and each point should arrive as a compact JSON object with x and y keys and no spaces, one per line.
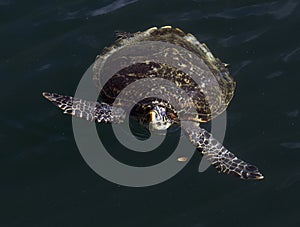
{"x":187,"y":84}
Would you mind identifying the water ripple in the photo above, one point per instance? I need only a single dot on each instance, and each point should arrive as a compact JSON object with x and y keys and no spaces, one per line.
{"x":242,"y":65}
{"x":291,"y":145}
{"x":275,"y":9}
{"x":294,"y":54}
{"x":64,"y":14}
{"x":43,"y":67}
{"x":235,"y":40}
{"x":274,"y":75}
{"x":293,"y":114}
{"x":290,"y":181}
{"x":111,"y":7}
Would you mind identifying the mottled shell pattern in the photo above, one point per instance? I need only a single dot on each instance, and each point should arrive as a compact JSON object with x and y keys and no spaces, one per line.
{"x":211,"y":93}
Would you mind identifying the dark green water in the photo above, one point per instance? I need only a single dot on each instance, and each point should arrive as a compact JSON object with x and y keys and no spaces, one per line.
{"x":48,"y":45}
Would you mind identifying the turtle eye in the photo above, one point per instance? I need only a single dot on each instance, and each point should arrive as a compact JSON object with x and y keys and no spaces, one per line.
{"x":158,"y":116}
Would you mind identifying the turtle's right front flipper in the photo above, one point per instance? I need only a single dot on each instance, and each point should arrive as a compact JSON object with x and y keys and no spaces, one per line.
{"x":101,"y":112}
{"x":222,"y":159}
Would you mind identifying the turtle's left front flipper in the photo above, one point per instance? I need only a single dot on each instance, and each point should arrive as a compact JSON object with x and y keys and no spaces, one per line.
{"x":91,"y":111}
{"x":222,"y":159}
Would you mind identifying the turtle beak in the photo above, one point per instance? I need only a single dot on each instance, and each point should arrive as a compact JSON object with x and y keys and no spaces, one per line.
{"x":158,"y":121}
{"x":152,"y":120}
{"x":152,"y":116}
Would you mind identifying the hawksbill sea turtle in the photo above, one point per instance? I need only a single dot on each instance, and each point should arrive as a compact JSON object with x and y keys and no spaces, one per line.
{"x":208,"y":99}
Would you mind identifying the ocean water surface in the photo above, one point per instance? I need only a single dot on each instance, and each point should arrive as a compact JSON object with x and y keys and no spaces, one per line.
{"x":47,"y":46}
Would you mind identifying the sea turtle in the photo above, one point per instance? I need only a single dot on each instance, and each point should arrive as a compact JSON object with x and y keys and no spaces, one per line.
{"x":210,"y":91}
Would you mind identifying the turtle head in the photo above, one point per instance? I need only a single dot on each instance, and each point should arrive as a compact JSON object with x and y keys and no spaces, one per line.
{"x":159,"y":119}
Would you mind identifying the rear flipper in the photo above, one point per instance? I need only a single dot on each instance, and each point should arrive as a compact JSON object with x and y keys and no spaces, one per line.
{"x":91,"y":111}
{"x":222,"y":159}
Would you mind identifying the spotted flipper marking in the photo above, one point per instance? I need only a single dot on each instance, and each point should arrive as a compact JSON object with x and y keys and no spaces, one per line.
{"x":91,"y":111}
{"x":222,"y":159}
